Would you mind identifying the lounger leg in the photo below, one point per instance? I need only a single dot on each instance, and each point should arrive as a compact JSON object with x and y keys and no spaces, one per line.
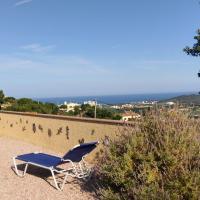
{"x":17,"y":171}
{"x":64,"y":181}
{"x":55,"y":181}
{"x":54,"y":178}
{"x":81,"y":170}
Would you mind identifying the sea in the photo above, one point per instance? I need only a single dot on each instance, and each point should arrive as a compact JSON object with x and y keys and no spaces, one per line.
{"x":114,"y":99}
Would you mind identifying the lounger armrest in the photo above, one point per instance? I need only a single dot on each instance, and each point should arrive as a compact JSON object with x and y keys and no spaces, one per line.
{"x":66,"y":160}
{"x":37,"y":152}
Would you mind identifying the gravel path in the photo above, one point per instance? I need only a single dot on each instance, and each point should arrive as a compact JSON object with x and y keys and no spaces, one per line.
{"x":37,"y":184}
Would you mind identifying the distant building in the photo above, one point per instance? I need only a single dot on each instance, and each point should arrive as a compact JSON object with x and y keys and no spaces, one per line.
{"x":91,"y":103}
{"x":128,"y":116}
{"x":116,"y":107}
{"x":70,"y":106}
{"x":149,"y":102}
{"x":170,"y":103}
{"x":127,"y":106}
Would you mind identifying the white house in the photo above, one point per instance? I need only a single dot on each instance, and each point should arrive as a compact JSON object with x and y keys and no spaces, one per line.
{"x":129,"y":106}
{"x":116,"y":107}
{"x":71,"y":106}
{"x":170,"y":103}
{"x":128,"y":116}
{"x":91,"y":103}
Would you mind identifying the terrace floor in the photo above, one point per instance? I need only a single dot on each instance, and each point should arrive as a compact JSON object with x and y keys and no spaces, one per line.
{"x":37,"y":184}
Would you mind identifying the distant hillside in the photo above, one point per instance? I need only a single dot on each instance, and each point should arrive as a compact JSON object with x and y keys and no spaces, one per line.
{"x":185,"y":99}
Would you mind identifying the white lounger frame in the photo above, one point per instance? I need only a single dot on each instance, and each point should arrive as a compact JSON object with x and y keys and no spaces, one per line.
{"x":79,"y":170}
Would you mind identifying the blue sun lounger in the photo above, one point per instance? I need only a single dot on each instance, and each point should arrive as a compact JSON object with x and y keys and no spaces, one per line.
{"x":78,"y":166}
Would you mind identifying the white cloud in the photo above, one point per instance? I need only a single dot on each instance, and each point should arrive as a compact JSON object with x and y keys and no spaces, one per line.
{"x":37,"y":48}
{"x":22,"y":2}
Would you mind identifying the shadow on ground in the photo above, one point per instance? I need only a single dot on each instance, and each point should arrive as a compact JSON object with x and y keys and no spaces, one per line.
{"x":87,"y":185}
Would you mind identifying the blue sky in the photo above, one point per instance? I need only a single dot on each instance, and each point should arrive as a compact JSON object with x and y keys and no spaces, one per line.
{"x":51,"y":48}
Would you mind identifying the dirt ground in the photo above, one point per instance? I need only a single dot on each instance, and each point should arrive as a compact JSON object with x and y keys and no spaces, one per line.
{"x":38,"y":183}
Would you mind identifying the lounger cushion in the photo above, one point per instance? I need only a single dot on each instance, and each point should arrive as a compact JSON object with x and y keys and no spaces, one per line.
{"x":76,"y":154}
{"x":40,"y":159}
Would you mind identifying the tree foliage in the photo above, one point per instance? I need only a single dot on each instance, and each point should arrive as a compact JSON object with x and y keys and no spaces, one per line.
{"x":9,"y":100}
{"x":86,"y":110}
{"x":195,"y":50}
{"x":1,"y":96}
{"x":63,"y":107}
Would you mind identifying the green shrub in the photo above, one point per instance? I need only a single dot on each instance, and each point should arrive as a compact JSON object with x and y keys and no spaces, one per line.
{"x":157,"y":158}
{"x":28,"y":105}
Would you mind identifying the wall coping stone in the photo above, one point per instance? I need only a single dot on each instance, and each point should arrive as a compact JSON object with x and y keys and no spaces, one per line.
{"x":70,"y":118}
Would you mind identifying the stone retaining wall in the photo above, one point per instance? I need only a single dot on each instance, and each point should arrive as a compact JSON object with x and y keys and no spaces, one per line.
{"x":57,"y":133}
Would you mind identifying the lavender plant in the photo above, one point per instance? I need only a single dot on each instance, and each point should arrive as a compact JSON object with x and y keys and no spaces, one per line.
{"x":158,"y":158}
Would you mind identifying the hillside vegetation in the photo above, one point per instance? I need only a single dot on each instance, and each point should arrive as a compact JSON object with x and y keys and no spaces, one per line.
{"x":29,"y":105}
{"x":158,"y":158}
{"x":185,"y":99}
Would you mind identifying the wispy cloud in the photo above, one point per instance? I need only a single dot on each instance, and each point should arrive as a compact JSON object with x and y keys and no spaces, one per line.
{"x":63,"y":65}
{"x":115,"y":46}
{"x":22,"y":2}
{"x":37,"y":48}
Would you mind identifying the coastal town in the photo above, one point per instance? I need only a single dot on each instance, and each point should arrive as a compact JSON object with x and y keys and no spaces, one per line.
{"x":132,"y":111}
{"x":126,"y":112}
{"x":135,"y":110}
